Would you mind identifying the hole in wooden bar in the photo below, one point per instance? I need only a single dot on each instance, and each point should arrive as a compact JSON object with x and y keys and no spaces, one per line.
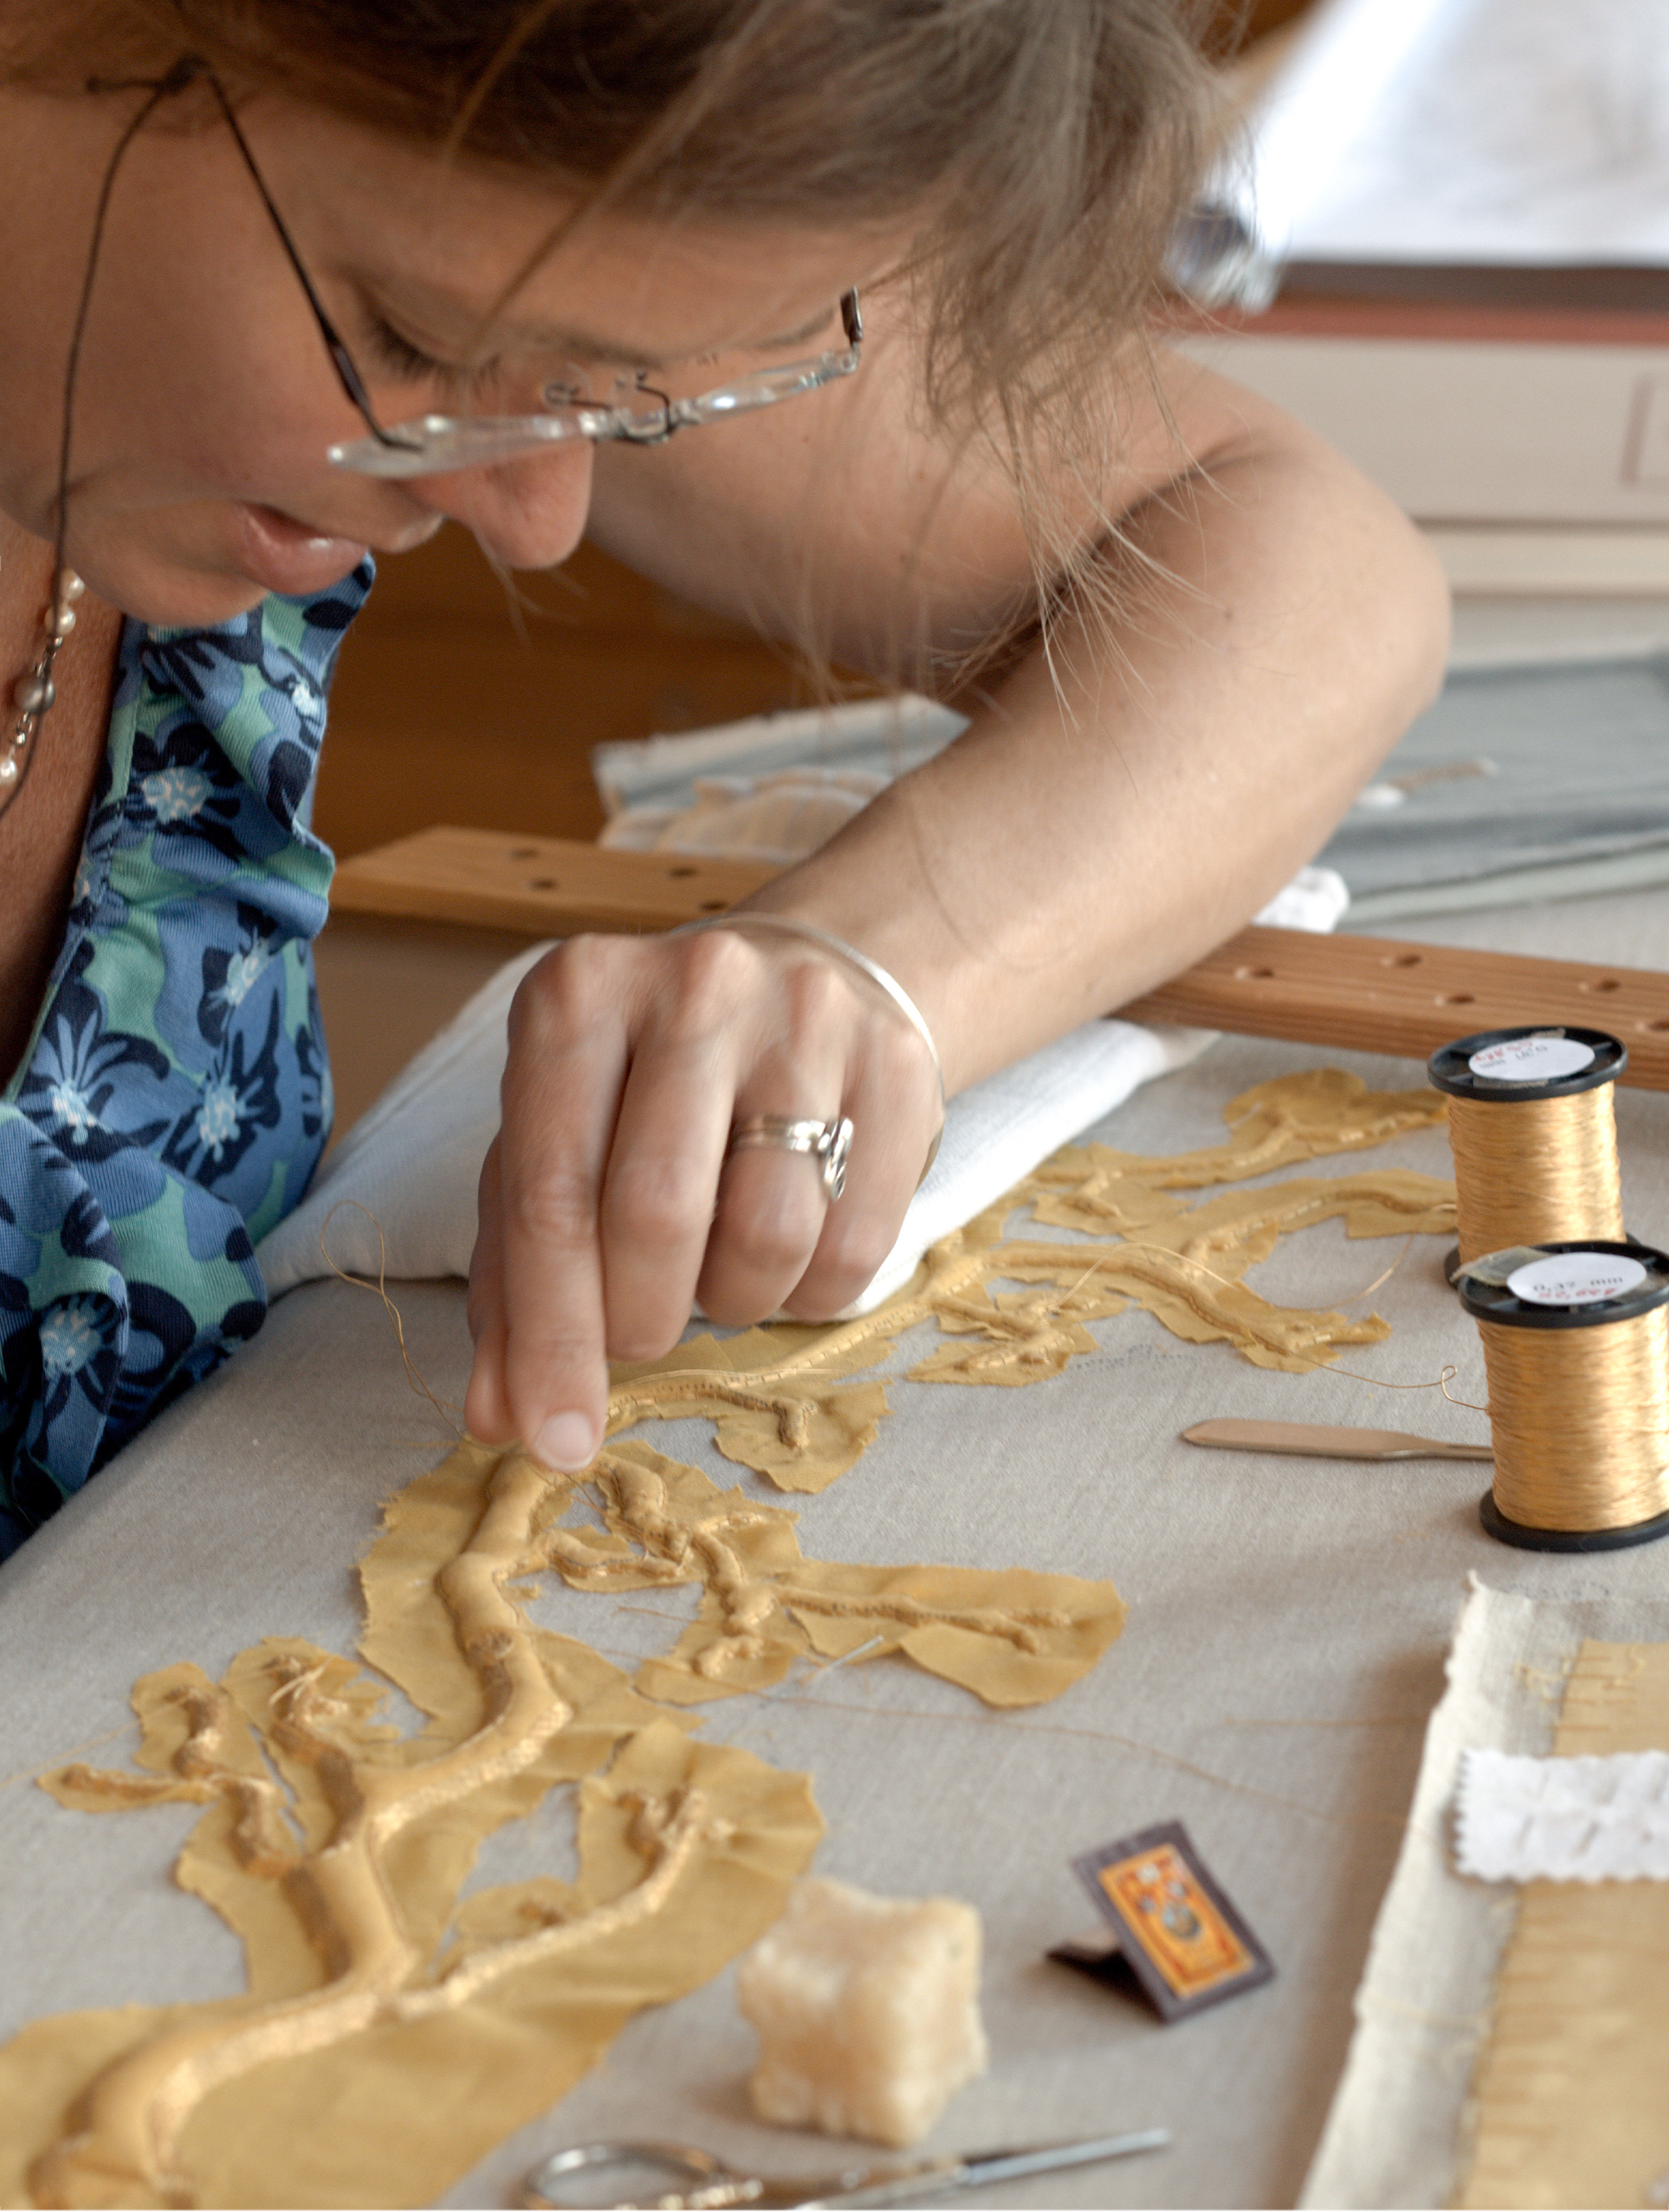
{"x":1254,"y":974}
{"x":1602,"y":983}
{"x":523,"y":852}
{"x":1656,"y":1026}
{"x":681,"y":871}
{"x":544,"y":883}
{"x":1402,"y":960}
{"x":713,"y":906}
{"x":1456,"y":998}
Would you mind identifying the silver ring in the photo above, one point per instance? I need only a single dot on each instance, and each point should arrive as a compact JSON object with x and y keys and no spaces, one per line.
{"x":788,"y":924}
{"x":829,"y":1143}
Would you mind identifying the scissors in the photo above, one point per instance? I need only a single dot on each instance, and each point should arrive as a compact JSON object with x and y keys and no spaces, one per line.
{"x":678,"y":2178}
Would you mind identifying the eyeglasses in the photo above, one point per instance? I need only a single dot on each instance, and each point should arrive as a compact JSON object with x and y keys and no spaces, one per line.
{"x":435,"y":445}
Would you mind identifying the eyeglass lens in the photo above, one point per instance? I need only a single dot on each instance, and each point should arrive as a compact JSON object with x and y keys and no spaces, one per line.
{"x":438,"y":444}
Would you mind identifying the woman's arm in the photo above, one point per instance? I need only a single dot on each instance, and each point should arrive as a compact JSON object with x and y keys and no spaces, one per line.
{"x":1117,"y":806}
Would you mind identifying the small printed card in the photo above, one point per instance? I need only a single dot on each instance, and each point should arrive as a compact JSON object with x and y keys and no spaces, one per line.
{"x":1178,"y":1934}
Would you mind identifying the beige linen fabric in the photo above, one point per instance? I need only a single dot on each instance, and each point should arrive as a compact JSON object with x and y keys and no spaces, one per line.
{"x":1284,"y":1650}
{"x":1397,"y":2132}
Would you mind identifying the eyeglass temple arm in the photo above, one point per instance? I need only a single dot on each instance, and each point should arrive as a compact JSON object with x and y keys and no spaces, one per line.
{"x":340,"y":360}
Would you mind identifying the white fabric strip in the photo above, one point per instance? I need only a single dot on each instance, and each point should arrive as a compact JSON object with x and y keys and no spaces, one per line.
{"x":413,"y":1162}
{"x":410,"y":1165}
{"x":1518,"y":1819}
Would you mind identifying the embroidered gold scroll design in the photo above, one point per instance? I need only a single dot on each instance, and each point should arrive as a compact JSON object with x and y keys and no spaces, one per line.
{"x":1568,"y":2101}
{"x":1014,"y":1637}
{"x":336,"y":1846}
{"x":777,"y":1395}
{"x":428,"y":2024}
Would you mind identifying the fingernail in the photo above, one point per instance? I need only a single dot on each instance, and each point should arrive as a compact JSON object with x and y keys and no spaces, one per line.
{"x":568,"y":1442}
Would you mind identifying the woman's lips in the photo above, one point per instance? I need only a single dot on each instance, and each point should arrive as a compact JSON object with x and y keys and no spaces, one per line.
{"x":282,"y":555}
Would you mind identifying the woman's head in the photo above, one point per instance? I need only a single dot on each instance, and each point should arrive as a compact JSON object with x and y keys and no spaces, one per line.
{"x":675,"y":177}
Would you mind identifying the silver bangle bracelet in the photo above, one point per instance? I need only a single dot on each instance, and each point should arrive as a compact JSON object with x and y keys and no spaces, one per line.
{"x":785,"y":925}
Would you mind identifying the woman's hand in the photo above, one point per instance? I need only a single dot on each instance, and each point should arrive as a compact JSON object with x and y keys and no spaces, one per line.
{"x":607,"y":1203}
{"x":1230,"y":665}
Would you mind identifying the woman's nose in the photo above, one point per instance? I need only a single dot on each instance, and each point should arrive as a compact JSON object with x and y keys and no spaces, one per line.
{"x":528,"y":513}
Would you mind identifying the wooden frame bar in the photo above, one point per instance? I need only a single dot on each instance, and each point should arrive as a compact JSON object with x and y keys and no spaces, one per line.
{"x":1384,"y":995}
{"x":1371,"y":993}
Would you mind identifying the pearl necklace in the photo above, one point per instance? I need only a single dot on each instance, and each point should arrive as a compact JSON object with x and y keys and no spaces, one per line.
{"x":34,"y":691}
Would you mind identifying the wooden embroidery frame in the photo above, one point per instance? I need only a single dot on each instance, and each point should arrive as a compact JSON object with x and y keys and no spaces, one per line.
{"x":1369,"y":993}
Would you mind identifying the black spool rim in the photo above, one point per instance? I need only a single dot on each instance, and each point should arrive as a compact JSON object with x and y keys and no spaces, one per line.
{"x":1524,"y":1538}
{"x":1495,"y":1303}
{"x":1449,"y":1070}
{"x":1454,"y":1266}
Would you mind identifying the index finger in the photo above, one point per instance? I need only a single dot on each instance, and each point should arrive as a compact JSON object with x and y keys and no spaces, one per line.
{"x":560,"y":1098}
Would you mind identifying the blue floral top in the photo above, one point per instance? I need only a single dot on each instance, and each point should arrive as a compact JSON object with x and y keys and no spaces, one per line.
{"x":175,"y":1095}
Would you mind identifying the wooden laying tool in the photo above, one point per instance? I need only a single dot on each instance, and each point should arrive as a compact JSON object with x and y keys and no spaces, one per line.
{"x":1375,"y":993}
{"x":1309,"y":1440}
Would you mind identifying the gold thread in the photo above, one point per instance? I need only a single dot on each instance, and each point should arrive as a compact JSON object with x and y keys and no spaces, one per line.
{"x":1580,"y":1420}
{"x":1326,"y":1366}
{"x":1535,"y":1170}
{"x":443,"y":1406}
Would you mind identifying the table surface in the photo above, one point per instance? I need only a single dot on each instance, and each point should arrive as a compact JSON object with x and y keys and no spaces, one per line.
{"x":1288,"y":1626}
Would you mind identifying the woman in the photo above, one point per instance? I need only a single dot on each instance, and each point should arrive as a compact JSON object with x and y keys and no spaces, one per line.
{"x":244,"y":236}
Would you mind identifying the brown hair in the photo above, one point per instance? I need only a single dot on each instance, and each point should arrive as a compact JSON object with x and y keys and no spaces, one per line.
{"x":1042,"y":148}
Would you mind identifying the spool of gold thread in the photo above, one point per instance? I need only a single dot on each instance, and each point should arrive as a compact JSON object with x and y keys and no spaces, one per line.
{"x":1533,"y":1133}
{"x":1576,"y":1338}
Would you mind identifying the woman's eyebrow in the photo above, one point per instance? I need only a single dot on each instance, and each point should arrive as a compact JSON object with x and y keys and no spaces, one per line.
{"x":588,"y":346}
{"x":818,"y":323}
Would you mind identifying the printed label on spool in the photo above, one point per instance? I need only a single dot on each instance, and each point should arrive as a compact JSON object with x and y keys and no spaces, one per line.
{"x":1531,"y":1059}
{"x":1575,"y":1278}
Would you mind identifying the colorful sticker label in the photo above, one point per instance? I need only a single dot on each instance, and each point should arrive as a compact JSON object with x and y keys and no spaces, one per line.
{"x":1182,"y":1930}
{"x":1531,"y":1059}
{"x":1575,"y":1278}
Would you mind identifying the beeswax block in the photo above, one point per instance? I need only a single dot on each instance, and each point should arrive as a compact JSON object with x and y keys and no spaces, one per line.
{"x":867,"y":2010}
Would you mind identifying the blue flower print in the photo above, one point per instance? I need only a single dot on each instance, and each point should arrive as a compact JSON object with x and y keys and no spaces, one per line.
{"x":175,"y":794}
{"x":203,"y":667}
{"x":185,"y":790}
{"x":163,"y":1355}
{"x":19,"y":1255}
{"x":86,"y":1085}
{"x":81,"y":1342}
{"x":175,"y":1095}
{"x":218,"y":1120}
{"x":229,"y":975}
{"x":336,"y":610}
{"x":289,"y":775}
{"x":70,"y":1337}
{"x":84,"y":1233}
{"x":238,"y":1098}
{"x":313,"y":1066}
{"x":92,"y":904}
{"x":239,"y":972}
